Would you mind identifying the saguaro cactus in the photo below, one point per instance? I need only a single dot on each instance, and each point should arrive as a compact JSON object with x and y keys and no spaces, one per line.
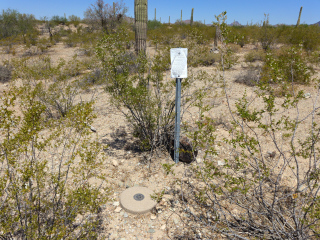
{"x":298,"y":22}
{"x":181,"y":17}
{"x":141,"y":20}
{"x":191,"y":19}
{"x":169,"y":20}
{"x":155,"y":14}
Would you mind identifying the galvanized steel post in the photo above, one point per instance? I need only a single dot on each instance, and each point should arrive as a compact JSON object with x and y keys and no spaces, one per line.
{"x":177,"y":121}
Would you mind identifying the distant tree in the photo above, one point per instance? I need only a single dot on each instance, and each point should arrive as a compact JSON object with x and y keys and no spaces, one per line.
{"x":13,"y":23}
{"x":59,"y":20}
{"x":102,"y":15}
{"x":9,"y":23}
{"x":75,"y":20}
{"x":26,"y":24}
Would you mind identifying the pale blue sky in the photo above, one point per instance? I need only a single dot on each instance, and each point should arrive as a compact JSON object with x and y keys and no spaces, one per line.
{"x":243,"y":11}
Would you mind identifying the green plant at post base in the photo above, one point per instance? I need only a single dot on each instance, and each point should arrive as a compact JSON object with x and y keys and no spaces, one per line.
{"x":247,"y":195}
{"x":168,"y":168}
{"x":47,"y":168}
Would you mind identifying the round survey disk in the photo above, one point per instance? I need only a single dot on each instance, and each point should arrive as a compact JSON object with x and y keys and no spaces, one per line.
{"x":137,"y":200}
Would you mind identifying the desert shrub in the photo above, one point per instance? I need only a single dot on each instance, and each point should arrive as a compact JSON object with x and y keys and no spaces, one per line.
{"x":44,"y":44}
{"x":5,"y":74}
{"x":56,"y":20}
{"x":75,"y":20}
{"x":97,"y":76}
{"x":72,"y":40}
{"x":17,"y":26}
{"x":103,"y":16}
{"x":289,"y":66}
{"x":9,"y":23}
{"x":34,"y":69}
{"x":47,"y":168}
{"x":153,"y":24}
{"x":250,"y":77}
{"x":59,"y":87}
{"x":255,"y":55}
{"x":230,"y":58}
{"x":206,"y":59}
{"x":236,"y":36}
{"x":266,"y":34}
{"x":144,"y":95}
{"x":64,"y":32}
{"x":306,"y":35}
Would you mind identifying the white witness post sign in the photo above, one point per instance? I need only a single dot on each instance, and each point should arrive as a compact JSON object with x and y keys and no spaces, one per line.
{"x":179,"y":66}
{"x":179,"y":70}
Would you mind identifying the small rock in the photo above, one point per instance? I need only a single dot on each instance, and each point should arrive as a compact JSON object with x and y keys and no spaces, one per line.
{"x":176,"y":220}
{"x":125,"y":215}
{"x":163,"y":227}
{"x":307,"y":95}
{"x":93,"y":129}
{"x":221,"y":163}
{"x":103,"y":207}
{"x":166,"y":197}
{"x":115,"y":163}
{"x":118,"y":209}
{"x":271,"y":154}
{"x":121,"y":184}
{"x":199,"y":160}
{"x":151,"y":230}
{"x":153,"y":217}
{"x":116,"y":204}
{"x":301,"y":188}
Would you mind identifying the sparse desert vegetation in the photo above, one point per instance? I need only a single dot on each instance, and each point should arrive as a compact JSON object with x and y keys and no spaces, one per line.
{"x":85,"y":114}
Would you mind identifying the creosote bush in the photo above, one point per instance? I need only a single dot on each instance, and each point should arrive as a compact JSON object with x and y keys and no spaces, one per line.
{"x":288,"y":67}
{"x":140,"y":90}
{"x":59,"y":85}
{"x":47,"y":169}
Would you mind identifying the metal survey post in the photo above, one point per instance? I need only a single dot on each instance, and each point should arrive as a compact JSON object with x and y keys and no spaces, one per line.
{"x":179,"y":70}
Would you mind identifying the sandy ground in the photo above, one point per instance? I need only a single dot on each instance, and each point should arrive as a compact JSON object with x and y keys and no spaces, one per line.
{"x":126,"y":166}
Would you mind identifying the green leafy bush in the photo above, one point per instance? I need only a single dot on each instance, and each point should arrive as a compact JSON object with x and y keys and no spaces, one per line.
{"x":289,"y":66}
{"x":59,"y":84}
{"x":153,"y":24}
{"x":140,"y":90}
{"x":306,"y":35}
{"x":254,"y":55}
{"x":47,"y":168}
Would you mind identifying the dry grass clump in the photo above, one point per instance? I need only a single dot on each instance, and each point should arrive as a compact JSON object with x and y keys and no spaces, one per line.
{"x":5,"y":74}
{"x":256,"y":55}
{"x":250,"y":77}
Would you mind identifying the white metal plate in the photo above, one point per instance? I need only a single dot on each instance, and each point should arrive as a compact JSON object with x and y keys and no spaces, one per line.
{"x":179,"y":65}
